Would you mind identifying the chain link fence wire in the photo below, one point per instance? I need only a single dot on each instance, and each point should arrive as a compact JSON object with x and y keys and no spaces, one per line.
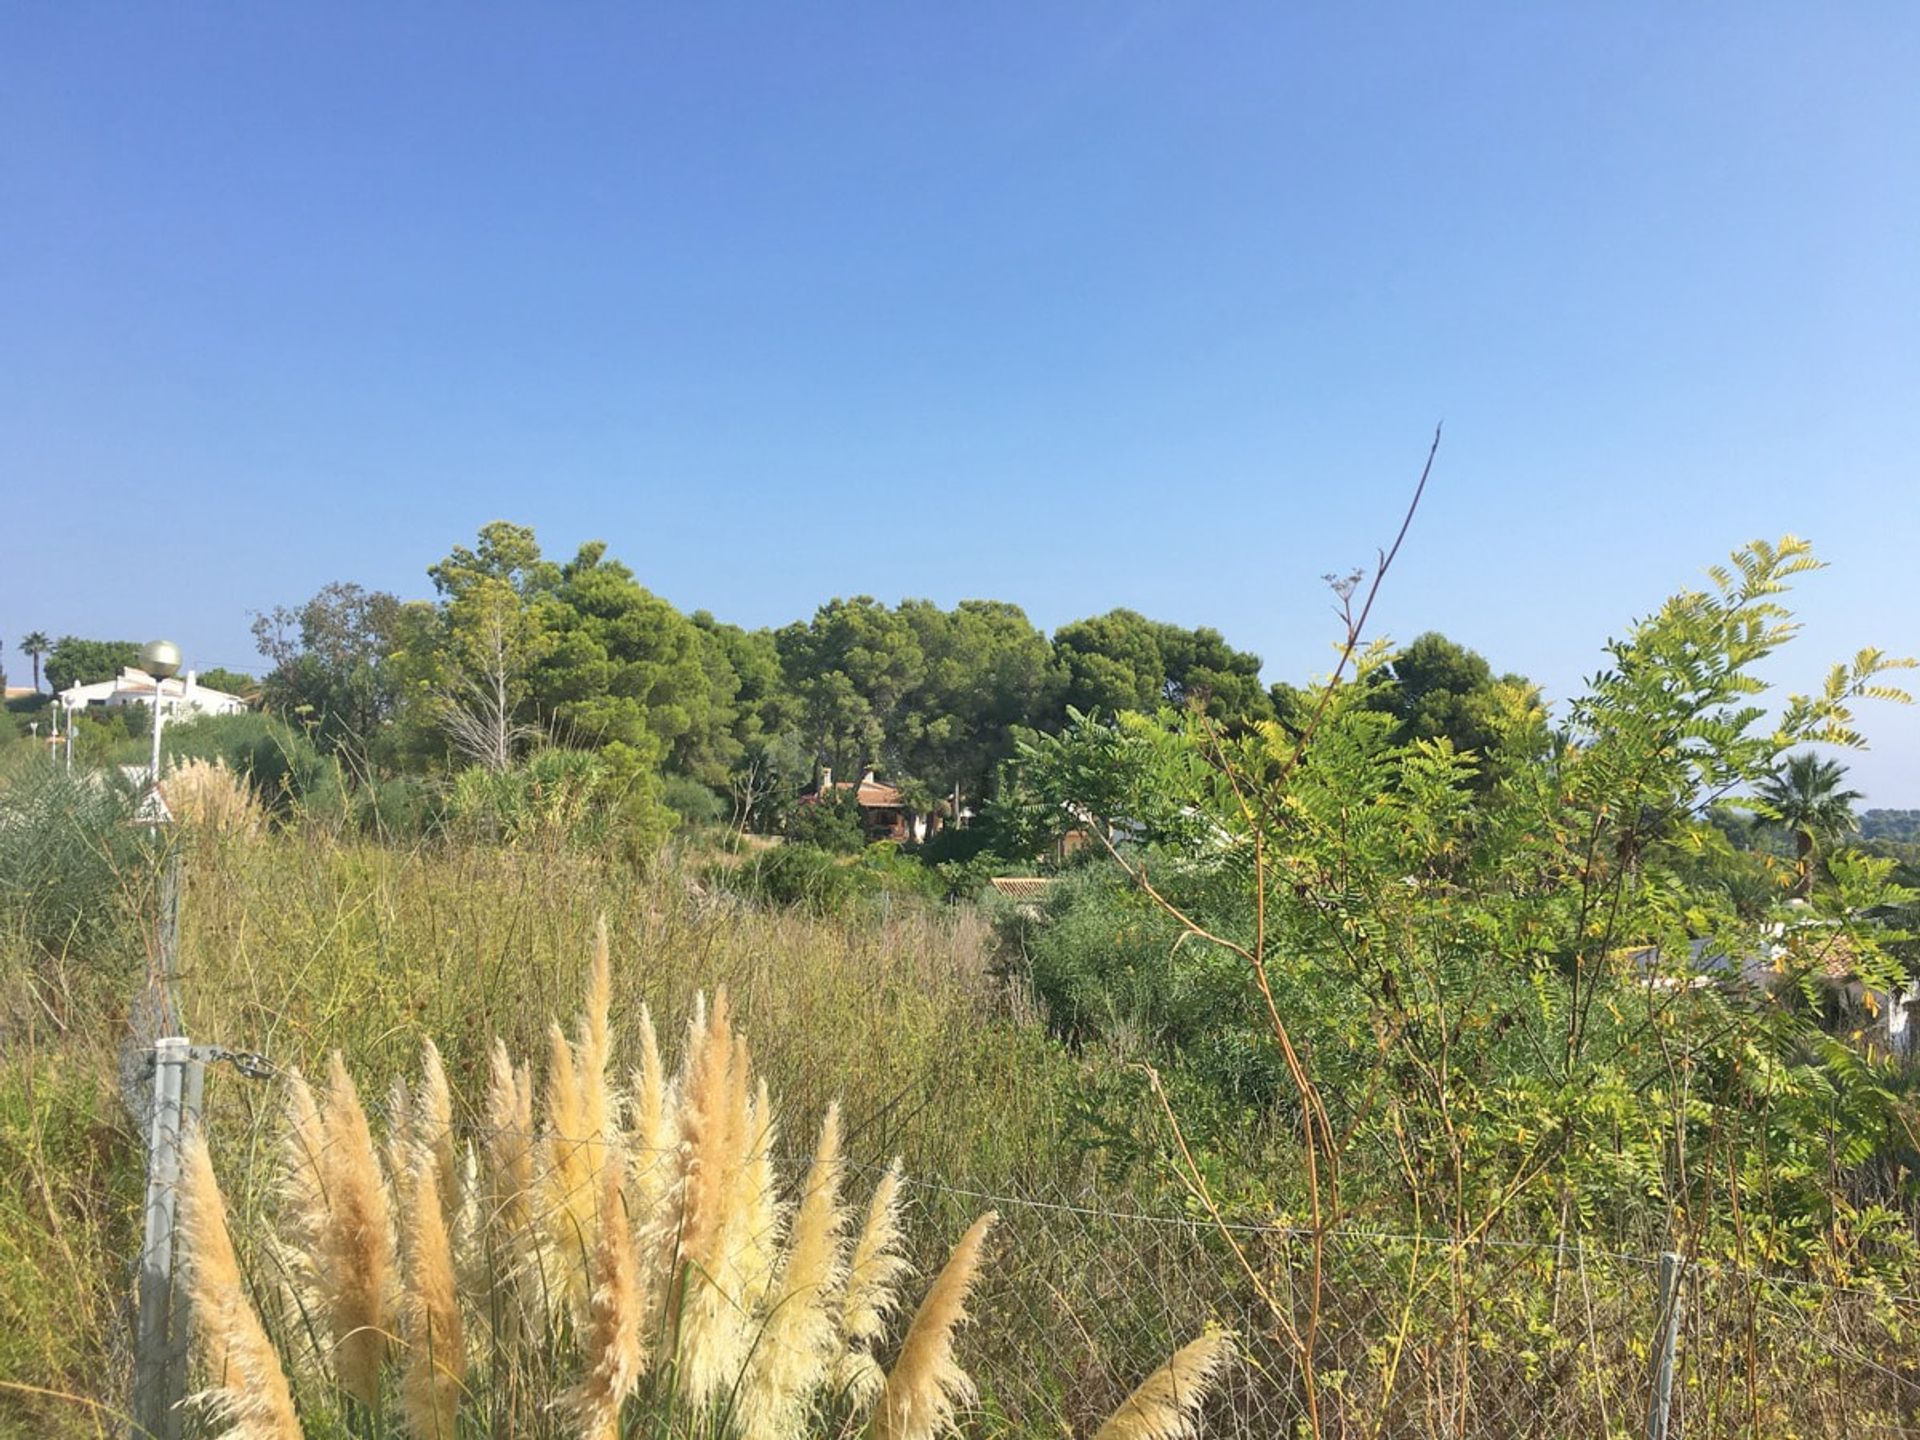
{"x":1411,"y":1336}
{"x":1370,"y":1333}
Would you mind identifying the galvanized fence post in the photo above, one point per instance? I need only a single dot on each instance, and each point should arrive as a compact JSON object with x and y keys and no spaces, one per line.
{"x":1666,"y":1344}
{"x":159,"y":1369}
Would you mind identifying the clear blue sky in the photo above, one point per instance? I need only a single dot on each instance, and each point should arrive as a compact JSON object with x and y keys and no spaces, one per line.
{"x":1073,"y":305}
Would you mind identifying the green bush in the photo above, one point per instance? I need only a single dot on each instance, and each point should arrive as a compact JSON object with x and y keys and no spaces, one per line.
{"x":694,"y":803}
{"x":69,"y":854}
{"x":884,"y":869}
{"x":276,"y":759}
{"x":799,"y":875}
{"x":1110,"y":964}
{"x":831,"y":823}
{"x":403,"y":807}
{"x":557,"y":794}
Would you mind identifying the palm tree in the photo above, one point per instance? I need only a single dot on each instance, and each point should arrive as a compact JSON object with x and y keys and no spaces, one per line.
{"x":36,"y":644}
{"x":1807,"y":799}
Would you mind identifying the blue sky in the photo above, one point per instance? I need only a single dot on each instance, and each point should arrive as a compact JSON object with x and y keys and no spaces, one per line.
{"x":1072,"y":305}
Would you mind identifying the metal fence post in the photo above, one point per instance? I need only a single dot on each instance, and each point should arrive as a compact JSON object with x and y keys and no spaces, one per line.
{"x":159,"y":1374}
{"x":1666,"y":1343}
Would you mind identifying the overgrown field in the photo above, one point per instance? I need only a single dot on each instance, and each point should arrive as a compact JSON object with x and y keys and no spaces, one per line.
{"x":1382,"y":1071}
{"x":297,"y":944}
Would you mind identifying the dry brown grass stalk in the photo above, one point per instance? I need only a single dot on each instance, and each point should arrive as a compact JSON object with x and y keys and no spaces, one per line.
{"x":1167,"y":1404}
{"x":247,"y":1388}
{"x":436,"y":1358}
{"x":927,"y":1387}
{"x":354,"y":1260}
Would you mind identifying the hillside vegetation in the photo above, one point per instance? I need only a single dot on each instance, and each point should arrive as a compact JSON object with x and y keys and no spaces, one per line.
{"x":1395,"y":1060}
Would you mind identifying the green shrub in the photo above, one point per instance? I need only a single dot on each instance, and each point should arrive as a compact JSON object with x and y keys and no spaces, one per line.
{"x":403,"y":807}
{"x":69,"y":854}
{"x":275,"y":758}
{"x":884,"y":869}
{"x":831,"y":823}
{"x":694,"y":803}
{"x":556,"y":794}
{"x":1108,"y":963}
{"x":800,"y":875}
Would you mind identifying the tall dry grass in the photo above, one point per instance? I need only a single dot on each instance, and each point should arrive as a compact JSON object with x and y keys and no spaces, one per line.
{"x":298,"y":944}
{"x":246,"y":1388}
{"x":206,"y":796}
{"x":714,"y":1302}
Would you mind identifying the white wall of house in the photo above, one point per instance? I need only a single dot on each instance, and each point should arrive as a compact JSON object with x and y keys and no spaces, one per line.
{"x":181,"y":696}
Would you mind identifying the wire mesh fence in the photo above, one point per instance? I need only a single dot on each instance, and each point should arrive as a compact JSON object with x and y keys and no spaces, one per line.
{"x":1371,"y":1332}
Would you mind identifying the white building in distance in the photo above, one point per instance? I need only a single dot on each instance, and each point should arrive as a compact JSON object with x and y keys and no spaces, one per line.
{"x":180,"y":697}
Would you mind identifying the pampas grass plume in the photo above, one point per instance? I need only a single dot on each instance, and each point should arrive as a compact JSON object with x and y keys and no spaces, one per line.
{"x":433,"y":1125}
{"x":758,"y":1220}
{"x":503,"y":1241}
{"x":796,"y":1343}
{"x":713,"y":1336}
{"x":592,"y":1050}
{"x":436,"y":1346}
{"x":356,"y":1252}
{"x":927,"y":1386}
{"x":652,"y":1124}
{"x":870,"y":1298}
{"x":566,"y":1200}
{"x":615,"y":1317}
{"x":509,"y":1145}
{"x":1166,"y":1406}
{"x":248,"y":1388}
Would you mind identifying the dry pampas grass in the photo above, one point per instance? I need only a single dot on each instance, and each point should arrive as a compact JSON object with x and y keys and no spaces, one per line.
{"x":651,"y":1108}
{"x":613,"y":1340}
{"x":1167,"y":1405}
{"x":505,"y":1238}
{"x":436,"y":1343}
{"x":795,"y":1347}
{"x":644,"y":1237}
{"x":246,"y":1386}
{"x":926,"y":1386}
{"x":870,"y":1298}
{"x":709,"y":1340}
{"x":340,"y":1231}
{"x":582,"y":1118}
{"x":205,"y":795}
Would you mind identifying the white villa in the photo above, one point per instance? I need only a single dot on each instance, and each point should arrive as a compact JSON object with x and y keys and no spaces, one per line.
{"x":180,"y":696}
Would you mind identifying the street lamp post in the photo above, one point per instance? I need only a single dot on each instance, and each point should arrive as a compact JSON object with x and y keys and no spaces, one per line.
{"x":161,"y":660}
